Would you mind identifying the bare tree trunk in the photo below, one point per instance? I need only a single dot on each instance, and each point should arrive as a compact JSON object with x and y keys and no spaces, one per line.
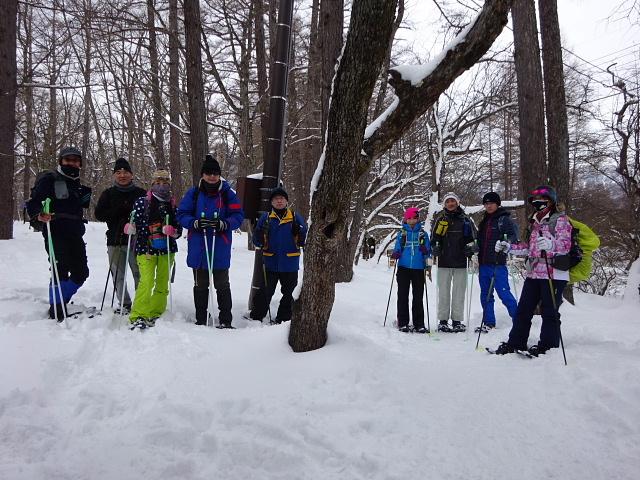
{"x":263,"y":79}
{"x":195,"y":86}
{"x":348,"y":154}
{"x":174,"y":101}
{"x":8,"y":75}
{"x":156,"y":97}
{"x":530,"y":95}
{"x":555,"y":101}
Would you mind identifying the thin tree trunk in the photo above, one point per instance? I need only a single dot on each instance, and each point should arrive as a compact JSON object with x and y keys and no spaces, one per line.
{"x":195,"y":86}
{"x":174,"y":101}
{"x":156,"y":97}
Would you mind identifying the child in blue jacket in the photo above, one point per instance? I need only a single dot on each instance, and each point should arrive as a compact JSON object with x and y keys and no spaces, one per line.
{"x":411,"y":251}
{"x":280,"y":234}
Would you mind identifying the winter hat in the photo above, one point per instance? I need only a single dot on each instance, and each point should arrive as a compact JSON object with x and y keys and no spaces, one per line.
{"x":67,"y":151}
{"x":491,"y":197}
{"x":450,"y":195}
{"x":544,"y":191}
{"x":161,"y":175}
{"x":411,"y":212}
{"x":122,"y":164}
{"x":279,"y":191}
{"x":210,"y":166}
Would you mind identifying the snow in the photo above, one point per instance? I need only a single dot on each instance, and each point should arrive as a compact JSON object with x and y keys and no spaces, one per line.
{"x":89,"y":400}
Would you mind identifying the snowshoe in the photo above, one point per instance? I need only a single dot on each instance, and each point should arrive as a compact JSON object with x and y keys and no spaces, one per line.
{"x":502,"y":349}
{"x":484,"y":328}
{"x":459,"y":327}
{"x":421,"y":330}
{"x":443,"y":326}
{"x":404,"y":329}
{"x":536,"y":350}
{"x":140,"y":323}
{"x":225,"y":325}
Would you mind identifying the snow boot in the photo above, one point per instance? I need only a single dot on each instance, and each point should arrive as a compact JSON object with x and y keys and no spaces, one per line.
{"x":537,"y":350}
{"x":485,"y":328}
{"x":505,"y":348}
{"x":443,"y":326}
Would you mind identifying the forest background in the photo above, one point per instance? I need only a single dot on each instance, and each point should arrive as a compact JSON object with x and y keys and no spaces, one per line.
{"x":112,"y":78}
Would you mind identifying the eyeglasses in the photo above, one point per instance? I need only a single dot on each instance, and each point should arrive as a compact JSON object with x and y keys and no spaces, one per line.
{"x":540,"y":192}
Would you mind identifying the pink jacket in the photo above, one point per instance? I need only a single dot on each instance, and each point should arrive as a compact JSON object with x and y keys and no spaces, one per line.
{"x":536,"y":265}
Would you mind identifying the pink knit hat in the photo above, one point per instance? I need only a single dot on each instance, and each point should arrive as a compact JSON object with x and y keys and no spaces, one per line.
{"x":411,"y":212}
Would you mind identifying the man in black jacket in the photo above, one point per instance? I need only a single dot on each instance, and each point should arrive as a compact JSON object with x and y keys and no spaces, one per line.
{"x":64,"y":224}
{"x":114,"y":207}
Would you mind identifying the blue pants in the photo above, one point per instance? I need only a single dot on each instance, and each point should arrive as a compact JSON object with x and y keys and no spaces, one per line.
{"x":500,"y":286}
{"x":536,"y":291}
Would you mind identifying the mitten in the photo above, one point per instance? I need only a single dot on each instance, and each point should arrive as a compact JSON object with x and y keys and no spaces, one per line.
{"x":423,"y":249}
{"x":436,"y":251}
{"x":169,"y":230}
{"x":396,"y":255}
{"x":130,"y":229}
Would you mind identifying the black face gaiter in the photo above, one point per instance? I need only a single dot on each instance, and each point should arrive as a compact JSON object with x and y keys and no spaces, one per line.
{"x":540,"y":205}
{"x":70,"y":171}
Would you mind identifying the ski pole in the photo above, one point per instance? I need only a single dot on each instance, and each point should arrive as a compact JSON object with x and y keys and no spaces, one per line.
{"x":484,"y":310}
{"x":390,"y":289}
{"x":555,"y":304}
{"x":213,"y":253}
{"x":106,"y":283}
{"x":210,"y":268}
{"x":169,"y":267}
{"x":426,"y":297}
{"x":115,"y":277}
{"x":55,"y":276}
{"x":470,"y":297}
{"x":266,"y":289}
{"x":126,"y":263}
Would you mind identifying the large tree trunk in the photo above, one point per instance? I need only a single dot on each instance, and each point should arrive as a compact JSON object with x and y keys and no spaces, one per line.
{"x":555,"y":100}
{"x":8,"y":73}
{"x":530,"y":95}
{"x":348,"y":154}
{"x":195,"y":86}
{"x":359,"y":67}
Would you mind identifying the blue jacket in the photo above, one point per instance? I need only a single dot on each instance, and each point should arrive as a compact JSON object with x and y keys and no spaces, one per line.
{"x":492,"y":228}
{"x":408,"y":242}
{"x":280,"y":248}
{"x":226,"y":204}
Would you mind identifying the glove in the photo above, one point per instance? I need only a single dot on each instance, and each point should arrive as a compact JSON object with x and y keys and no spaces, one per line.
{"x":219,"y":225}
{"x":424,"y":250}
{"x":203,"y":223}
{"x":503,"y":246}
{"x":295,"y":228}
{"x":436,"y":251}
{"x":169,"y":230}
{"x":130,"y":229}
{"x":544,"y":243}
{"x":396,"y":255}
{"x":470,"y":249}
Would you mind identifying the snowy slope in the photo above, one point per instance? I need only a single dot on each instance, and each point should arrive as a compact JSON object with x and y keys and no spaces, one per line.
{"x":89,"y":400}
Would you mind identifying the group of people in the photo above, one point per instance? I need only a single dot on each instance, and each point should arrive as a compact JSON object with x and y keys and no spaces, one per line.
{"x":148,"y":223}
{"x":142,"y":229}
{"x":455,"y":242}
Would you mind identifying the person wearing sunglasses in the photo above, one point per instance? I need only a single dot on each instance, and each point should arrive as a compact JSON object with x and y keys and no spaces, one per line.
{"x":545,"y":281}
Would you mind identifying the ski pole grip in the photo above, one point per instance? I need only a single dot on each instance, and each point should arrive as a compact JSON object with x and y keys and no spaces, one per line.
{"x":45,"y":205}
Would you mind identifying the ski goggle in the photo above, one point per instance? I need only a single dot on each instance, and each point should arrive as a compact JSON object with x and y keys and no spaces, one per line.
{"x":541,"y":192}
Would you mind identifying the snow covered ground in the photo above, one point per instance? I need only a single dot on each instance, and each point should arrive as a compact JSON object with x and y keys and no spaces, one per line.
{"x":89,"y":400}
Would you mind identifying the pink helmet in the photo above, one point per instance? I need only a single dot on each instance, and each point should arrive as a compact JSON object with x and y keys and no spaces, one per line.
{"x":411,"y":212}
